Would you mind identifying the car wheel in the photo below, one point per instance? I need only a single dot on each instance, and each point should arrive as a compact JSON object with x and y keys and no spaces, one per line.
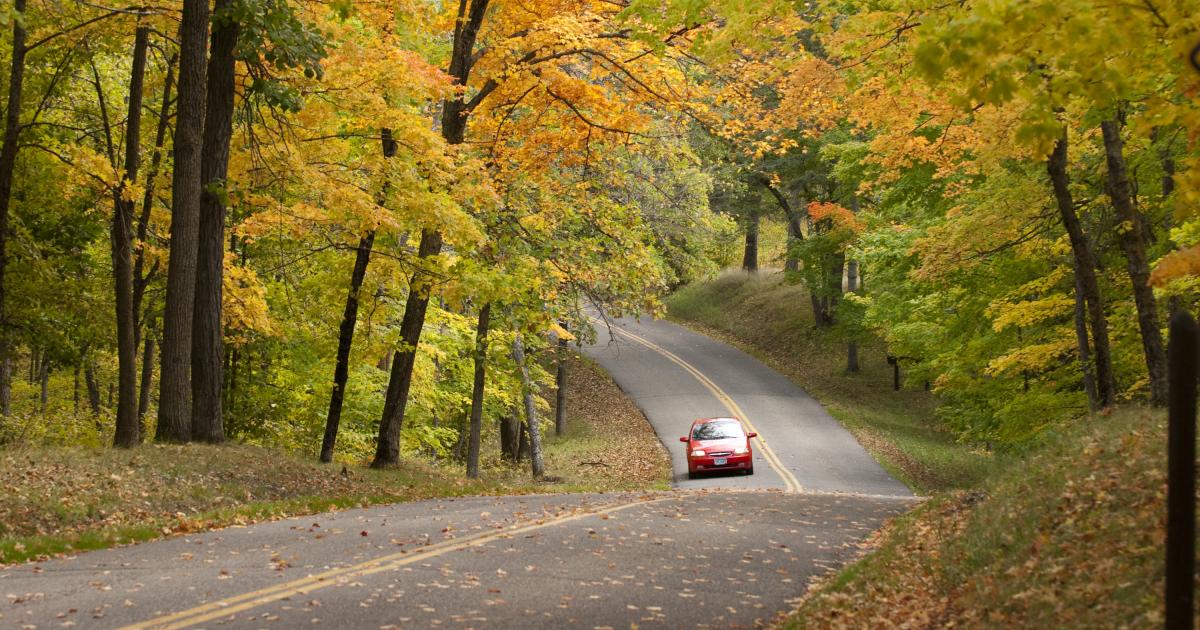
{"x":750,"y":471}
{"x":691,"y":475}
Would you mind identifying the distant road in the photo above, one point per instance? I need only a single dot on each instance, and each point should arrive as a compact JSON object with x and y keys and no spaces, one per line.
{"x":705,"y":555}
{"x":676,"y":376}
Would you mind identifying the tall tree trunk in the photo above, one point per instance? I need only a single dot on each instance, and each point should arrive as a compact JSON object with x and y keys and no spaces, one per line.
{"x":522,"y":452}
{"x":818,"y":308}
{"x":837,"y":267}
{"x":5,"y":382}
{"x":792,"y":260}
{"x":75,"y":391}
{"x":44,"y":380}
{"x":852,"y":346}
{"x":531,"y":419}
{"x":1133,"y":241}
{"x":1081,"y":340}
{"x":750,"y":253}
{"x":508,"y":433}
{"x":175,"y":389}
{"x":93,"y":387}
{"x":560,"y":389}
{"x":8,"y":163}
{"x":387,"y":452}
{"x":477,"y":389}
{"x":147,"y":381}
{"x":341,"y":368}
{"x":1085,"y":272}
{"x":349,"y":319}
{"x":208,"y":347}
{"x":127,"y":434}
{"x":454,"y":130}
{"x":140,"y":278}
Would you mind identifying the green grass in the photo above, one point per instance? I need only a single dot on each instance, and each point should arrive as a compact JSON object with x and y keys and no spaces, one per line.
{"x":1069,"y":536}
{"x":772,"y":320}
{"x":60,"y":500}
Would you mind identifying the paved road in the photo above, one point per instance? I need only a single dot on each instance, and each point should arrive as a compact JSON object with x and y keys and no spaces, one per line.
{"x":693,"y":557}
{"x":655,"y":363}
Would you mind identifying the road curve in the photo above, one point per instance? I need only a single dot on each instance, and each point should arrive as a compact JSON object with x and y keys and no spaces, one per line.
{"x":675,"y":376}
{"x":692,"y":557}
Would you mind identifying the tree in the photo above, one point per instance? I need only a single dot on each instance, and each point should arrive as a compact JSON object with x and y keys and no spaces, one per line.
{"x":454,"y":127}
{"x":475,"y":429}
{"x":207,"y":327}
{"x":8,"y":159}
{"x":175,"y":389}
{"x":362,"y":258}
{"x":1133,"y":241}
{"x":127,"y":432}
{"x":531,"y":419}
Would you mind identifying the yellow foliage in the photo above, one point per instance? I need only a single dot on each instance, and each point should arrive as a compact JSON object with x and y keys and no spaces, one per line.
{"x":1032,"y":357}
{"x":244,"y":303}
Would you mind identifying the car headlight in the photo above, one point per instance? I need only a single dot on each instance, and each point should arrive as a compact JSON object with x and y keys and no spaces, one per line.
{"x":741,"y":450}
{"x":697,"y":453}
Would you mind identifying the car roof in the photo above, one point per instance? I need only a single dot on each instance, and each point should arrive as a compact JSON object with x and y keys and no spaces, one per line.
{"x":708,"y":420}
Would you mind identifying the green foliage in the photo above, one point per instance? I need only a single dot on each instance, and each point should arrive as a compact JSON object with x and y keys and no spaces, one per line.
{"x":1069,"y":535}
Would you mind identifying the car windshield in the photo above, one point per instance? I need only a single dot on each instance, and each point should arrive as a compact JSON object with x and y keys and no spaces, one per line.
{"x":717,"y":431}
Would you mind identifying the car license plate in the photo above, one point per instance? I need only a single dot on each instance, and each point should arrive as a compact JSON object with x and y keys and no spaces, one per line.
{"x":720,"y":461}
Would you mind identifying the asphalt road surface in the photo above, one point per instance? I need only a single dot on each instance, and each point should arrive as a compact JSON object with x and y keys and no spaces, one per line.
{"x":718,"y":553}
{"x":675,"y":376}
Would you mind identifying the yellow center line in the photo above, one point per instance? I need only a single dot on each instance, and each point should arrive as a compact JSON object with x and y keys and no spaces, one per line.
{"x":789,"y":480}
{"x":308,"y":584}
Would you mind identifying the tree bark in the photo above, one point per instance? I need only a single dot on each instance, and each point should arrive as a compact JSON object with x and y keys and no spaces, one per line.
{"x":341,"y":369}
{"x":477,"y":390}
{"x":126,"y":434}
{"x":208,"y":347}
{"x":750,"y":253}
{"x":1081,"y":339}
{"x":387,"y":452}
{"x":5,"y":385}
{"x":1085,"y":272}
{"x":75,"y":399}
{"x":1133,"y":242}
{"x":44,"y":380}
{"x":140,"y":278}
{"x":147,"y":381}
{"x":8,"y":162}
{"x":560,"y":390}
{"x":507,"y":428}
{"x":818,"y":308}
{"x":852,"y":346}
{"x":174,"y":400}
{"x":522,"y":452}
{"x":531,"y":419}
{"x":93,"y":387}
{"x":454,"y":129}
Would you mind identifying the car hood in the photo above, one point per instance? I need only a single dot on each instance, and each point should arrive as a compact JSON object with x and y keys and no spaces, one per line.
{"x":727,"y":444}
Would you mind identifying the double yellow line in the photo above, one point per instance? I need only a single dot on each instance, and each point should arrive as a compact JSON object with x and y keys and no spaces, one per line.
{"x":791,"y":484}
{"x":303,"y":586}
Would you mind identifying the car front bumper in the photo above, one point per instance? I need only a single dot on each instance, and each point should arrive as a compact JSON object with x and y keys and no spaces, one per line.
{"x":732,"y":462}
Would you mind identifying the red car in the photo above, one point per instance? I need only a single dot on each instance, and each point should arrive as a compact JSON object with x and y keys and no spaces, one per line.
{"x":716,"y":444}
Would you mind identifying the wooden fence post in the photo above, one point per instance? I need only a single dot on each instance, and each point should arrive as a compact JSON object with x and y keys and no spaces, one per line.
{"x":1181,"y":473}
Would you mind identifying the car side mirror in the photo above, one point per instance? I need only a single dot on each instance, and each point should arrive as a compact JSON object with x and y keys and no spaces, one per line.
{"x":684,"y":439}
{"x":751,"y":435}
